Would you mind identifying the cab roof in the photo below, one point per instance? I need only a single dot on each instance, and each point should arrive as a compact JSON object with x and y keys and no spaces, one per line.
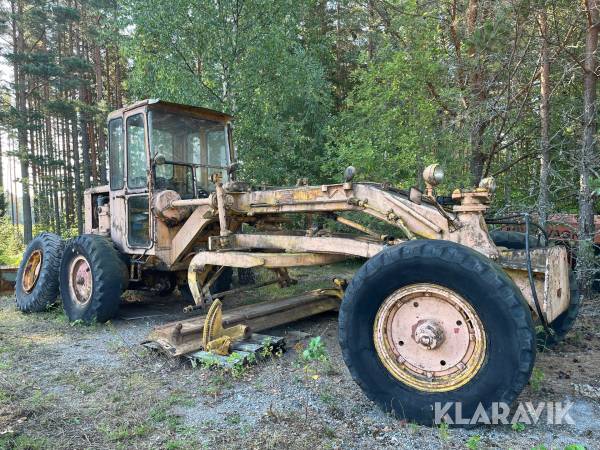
{"x":154,"y":103}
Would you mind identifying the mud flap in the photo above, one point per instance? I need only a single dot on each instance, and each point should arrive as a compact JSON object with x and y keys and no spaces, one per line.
{"x":550,"y":267}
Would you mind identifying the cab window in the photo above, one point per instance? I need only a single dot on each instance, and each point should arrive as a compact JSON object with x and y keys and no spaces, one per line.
{"x":137,"y":161}
{"x":116,"y":154}
{"x":217,"y":151}
{"x":138,"y":221}
{"x":185,"y":141}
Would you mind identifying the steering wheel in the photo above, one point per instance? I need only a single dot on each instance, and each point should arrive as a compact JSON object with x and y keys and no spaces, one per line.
{"x":161,"y":183}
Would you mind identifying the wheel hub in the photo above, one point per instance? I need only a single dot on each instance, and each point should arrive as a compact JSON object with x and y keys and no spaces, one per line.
{"x":32,"y":271}
{"x":80,"y":280}
{"x":429,"y":334}
{"x":429,"y":337}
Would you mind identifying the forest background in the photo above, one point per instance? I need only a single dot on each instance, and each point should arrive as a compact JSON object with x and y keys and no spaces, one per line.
{"x":484,"y":87}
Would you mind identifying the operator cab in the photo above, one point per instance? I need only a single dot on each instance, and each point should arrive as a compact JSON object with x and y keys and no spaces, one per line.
{"x":156,"y":146}
{"x":190,"y":149}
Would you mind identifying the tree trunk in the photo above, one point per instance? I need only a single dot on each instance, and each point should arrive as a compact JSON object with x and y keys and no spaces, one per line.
{"x":2,"y":190}
{"x":585,"y":260}
{"x":19,"y":48}
{"x":100,"y":126}
{"x":52,"y":151}
{"x":77,"y":175}
{"x":118,"y":91}
{"x":478,"y":95}
{"x":31,"y":106}
{"x":1,"y":171}
{"x":93,"y":152}
{"x":543,"y":197}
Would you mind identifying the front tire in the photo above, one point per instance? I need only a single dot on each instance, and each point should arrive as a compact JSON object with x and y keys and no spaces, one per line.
{"x":36,"y":285}
{"x":452,"y":293}
{"x":246,"y":276}
{"x":91,"y":279}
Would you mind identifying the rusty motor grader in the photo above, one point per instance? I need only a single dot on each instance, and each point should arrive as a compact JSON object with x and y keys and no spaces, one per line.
{"x":437,"y":313}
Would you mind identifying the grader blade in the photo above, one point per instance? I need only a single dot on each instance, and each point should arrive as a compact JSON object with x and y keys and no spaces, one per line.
{"x":216,"y":338}
{"x":188,"y":336}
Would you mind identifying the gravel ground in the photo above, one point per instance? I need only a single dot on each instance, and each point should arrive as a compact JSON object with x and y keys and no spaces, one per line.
{"x":74,"y":386}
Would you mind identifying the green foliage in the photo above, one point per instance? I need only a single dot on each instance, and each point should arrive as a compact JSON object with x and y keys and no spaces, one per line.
{"x":518,"y":427}
{"x":268,"y":349}
{"x":238,"y":366}
{"x":315,"y":86}
{"x":315,"y":351}
{"x":11,"y":243}
{"x":444,"y":431}
{"x":390,"y":128}
{"x":248,"y":61}
{"x":536,"y":380}
{"x":473,"y":442}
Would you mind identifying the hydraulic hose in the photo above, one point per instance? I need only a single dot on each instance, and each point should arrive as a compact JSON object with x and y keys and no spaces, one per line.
{"x":530,"y":276}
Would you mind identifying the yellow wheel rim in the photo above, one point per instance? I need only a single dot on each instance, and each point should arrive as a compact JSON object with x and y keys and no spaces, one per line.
{"x":81,"y":281}
{"x":429,"y":337}
{"x":32,"y":271}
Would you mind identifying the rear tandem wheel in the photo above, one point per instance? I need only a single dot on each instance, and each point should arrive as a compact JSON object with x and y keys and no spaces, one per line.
{"x":92,"y":279}
{"x":434,"y":321}
{"x":36,"y":286}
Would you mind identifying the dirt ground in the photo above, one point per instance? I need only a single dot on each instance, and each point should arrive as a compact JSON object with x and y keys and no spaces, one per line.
{"x":72,"y":386}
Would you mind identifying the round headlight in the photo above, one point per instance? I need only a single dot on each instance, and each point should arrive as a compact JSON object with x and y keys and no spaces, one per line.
{"x":349,"y":173}
{"x":488,"y":183}
{"x":433,"y":174}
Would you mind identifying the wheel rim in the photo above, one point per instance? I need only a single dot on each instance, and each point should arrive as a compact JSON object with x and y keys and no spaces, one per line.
{"x":32,"y":270}
{"x":80,"y":280}
{"x":429,"y":337}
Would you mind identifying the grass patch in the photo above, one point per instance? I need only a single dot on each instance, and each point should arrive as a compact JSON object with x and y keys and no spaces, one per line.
{"x":537,"y":379}
{"x":161,"y":415}
{"x":216,"y":383}
{"x":126,"y":432}
{"x":234,"y":418}
{"x":180,"y":444}
{"x":23,"y":442}
{"x":4,"y":397}
{"x":38,"y":400}
{"x":180,"y":399}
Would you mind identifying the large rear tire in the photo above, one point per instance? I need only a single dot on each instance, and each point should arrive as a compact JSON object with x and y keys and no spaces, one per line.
{"x":513,"y":240}
{"x":446,"y":296}
{"x":36,"y":285}
{"x":92,"y":277}
{"x":246,"y":276}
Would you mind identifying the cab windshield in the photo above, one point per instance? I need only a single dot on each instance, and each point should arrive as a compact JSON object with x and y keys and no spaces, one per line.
{"x":194,"y":148}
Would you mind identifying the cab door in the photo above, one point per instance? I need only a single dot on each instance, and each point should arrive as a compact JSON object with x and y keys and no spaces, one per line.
{"x":116,"y":155}
{"x":138,"y":225}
